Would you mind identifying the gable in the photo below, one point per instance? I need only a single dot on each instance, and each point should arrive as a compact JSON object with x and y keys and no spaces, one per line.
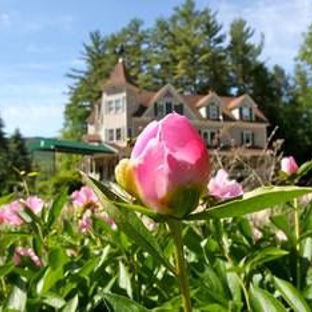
{"x":167,"y":100}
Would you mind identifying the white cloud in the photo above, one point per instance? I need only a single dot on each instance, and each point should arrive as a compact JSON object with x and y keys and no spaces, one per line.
{"x":282,"y":23}
{"x":39,"y":119}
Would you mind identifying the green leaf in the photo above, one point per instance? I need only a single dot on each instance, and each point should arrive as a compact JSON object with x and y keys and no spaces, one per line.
{"x":49,"y":279}
{"x":18,"y":296}
{"x":259,"y":199}
{"x":282,"y":223}
{"x":128,"y":222}
{"x":5,"y":199}
{"x":265,"y":255}
{"x":57,"y":258}
{"x":124,"y":279}
{"x":56,"y":208}
{"x":54,"y":300}
{"x":71,"y":305}
{"x":291,"y":295}
{"x":263,"y":301}
{"x":6,"y":269}
{"x":120,"y":303}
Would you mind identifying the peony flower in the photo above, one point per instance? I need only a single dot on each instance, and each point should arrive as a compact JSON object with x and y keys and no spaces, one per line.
{"x":289,"y":165}
{"x":11,"y":213}
{"x":84,"y":197}
{"x":221,"y":187}
{"x":34,"y":203}
{"x":168,"y":168}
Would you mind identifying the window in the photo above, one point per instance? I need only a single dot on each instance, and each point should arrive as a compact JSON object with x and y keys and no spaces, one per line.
{"x":246,"y":113}
{"x":110,"y":134}
{"x":118,"y":106}
{"x":110,"y":107}
{"x":248,"y":138}
{"x":213,"y":111}
{"x":178,"y":108}
{"x":130,"y":133}
{"x":211,"y":137}
{"x":118,"y":134}
{"x":168,"y":107}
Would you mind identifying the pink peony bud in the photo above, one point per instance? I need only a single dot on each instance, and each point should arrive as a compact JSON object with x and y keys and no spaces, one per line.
{"x":221,"y":187}
{"x":34,"y":203}
{"x":84,"y":197}
{"x":289,"y":165}
{"x":168,"y":168}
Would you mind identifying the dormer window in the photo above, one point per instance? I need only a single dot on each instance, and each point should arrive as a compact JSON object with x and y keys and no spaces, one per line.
{"x":213,"y":111}
{"x":246,"y":113}
{"x":178,"y":108}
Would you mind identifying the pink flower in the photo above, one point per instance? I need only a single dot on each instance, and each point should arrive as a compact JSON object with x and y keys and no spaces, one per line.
{"x":21,"y":252}
{"x":168,"y":168}
{"x":11,"y":213}
{"x":84,"y":197}
{"x":221,"y":187}
{"x":107,"y":219}
{"x":34,"y":203}
{"x":85,"y":224}
{"x":289,"y":165}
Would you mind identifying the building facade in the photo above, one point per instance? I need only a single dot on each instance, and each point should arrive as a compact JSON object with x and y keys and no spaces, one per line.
{"x":223,"y":122}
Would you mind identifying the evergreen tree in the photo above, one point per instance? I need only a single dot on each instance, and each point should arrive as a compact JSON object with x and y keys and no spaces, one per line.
{"x":19,"y":157}
{"x":3,"y":158}
{"x":187,"y":50}
{"x":243,"y":55}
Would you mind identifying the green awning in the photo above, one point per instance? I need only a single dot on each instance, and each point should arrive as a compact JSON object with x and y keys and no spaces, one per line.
{"x":64,"y":146}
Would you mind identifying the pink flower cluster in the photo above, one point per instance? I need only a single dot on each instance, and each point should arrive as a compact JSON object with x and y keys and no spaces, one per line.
{"x":21,"y":252}
{"x":222,"y":188}
{"x":9,"y":214}
{"x":87,"y":201}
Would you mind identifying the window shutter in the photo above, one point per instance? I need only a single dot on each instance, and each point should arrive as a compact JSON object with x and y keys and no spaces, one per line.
{"x":242,"y":138}
{"x":252,"y":139}
{"x":155,"y":109}
{"x":240,"y":113}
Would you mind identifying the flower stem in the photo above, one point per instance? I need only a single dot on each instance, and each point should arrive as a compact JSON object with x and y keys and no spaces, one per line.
{"x":297,"y":236}
{"x":176,"y":230}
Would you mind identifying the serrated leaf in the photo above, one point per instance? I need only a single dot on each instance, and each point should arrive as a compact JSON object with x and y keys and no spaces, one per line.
{"x":263,"y":301}
{"x":128,"y":222}
{"x":291,"y":295}
{"x":259,"y":199}
{"x":120,"y":303}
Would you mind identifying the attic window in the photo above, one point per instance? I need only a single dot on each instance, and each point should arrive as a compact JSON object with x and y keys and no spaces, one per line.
{"x":213,"y":111}
{"x":246,"y":113}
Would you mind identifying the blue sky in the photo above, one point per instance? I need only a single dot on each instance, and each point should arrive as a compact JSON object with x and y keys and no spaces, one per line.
{"x":40,"y":40}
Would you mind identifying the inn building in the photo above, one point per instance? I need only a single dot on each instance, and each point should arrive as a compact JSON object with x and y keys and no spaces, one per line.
{"x":226,"y":124}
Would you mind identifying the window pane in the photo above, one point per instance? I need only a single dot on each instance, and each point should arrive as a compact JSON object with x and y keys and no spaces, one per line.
{"x":110,"y":134}
{"x":168,"y":107}
{"x":118,"y":134}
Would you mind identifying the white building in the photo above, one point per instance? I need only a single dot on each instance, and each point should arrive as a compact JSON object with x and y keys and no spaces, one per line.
{"x":124,"y":110}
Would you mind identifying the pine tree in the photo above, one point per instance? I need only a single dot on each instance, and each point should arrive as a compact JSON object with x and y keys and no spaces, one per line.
{"x":19,"y":157}
{"x":3,"y":159}
{"x":243,"y":57}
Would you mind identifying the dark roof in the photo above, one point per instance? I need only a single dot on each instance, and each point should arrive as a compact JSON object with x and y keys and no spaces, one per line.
{"x":65,"y":146}
{"x":119,"y":76}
